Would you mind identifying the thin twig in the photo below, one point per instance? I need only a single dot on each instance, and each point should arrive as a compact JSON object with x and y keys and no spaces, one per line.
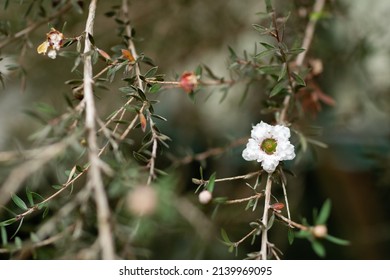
{"x":34,"y":26}
{"x":286,"y":200}
{"x":290,"y":222}
{"x":244,"y":177}
{"x":132,"y":123}
{"x":241,"y":200}
{"x":152,"y":160}
{"x":245,"y":237}
{"x":95,"y":176}
{"x":264,"y":230}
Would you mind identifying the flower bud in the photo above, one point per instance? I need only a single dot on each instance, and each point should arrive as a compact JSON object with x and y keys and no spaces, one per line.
{"x":205,"y":197}
{"x":319,"y":231}
{"x":188,"y":81}
{"x":277,"y":206}
{"x":142,"y":201}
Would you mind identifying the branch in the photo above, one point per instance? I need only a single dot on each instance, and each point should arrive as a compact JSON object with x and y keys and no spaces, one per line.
{"x":152,"y":160}
{"x":240,"y":200}
{"x":244,"y":177}
{"x":94,"y":175}
{"x":264,"y":235}
{"x":290,"y":222}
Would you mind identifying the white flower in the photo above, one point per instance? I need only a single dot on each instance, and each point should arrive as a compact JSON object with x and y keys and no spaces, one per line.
{"x":52,"y":45}
{"x":269,"y":145}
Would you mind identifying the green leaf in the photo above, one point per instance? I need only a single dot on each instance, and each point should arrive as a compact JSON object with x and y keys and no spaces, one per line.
{"x":91,"y":39}
{"x":233,"y":54}
{"x":19,"y":202}
{"x":303,"y":234}
{"x":268,"y":6}
{"x":225,"y":237}
{"x":198,"y":71}
{"x":298,"y":79}
{"x":277,"y":88}
{"x":210,"y":73}
{"x":8,"y":222}
{"x":290,"y":236}
{"x":29,"y":197}
{"x":245,"y":94}
{"x":295,"y":51}
{"x":140,"y":157}
{"x":265,"y":53}
{"x":336,"y":240}
{"x":18,"y":243}
{"x":283,"y":72}
{"x":18,"y":228}
{"x":155,"y":88}
{"x":34,"y":237}
{"x":45,"y":212}
{"x":318,"y":248}
{"x":269,"y":69}
{"x":324,"y":213}
{"x":211,"y":182}
{"x":268,"y":46}
{"x":260,"y":28}
{"x":151,"y":72}
{"x":271,"y":221}
{"x":141,"y":94}
{"x":159,"y":117}
{"x":4,"y":236}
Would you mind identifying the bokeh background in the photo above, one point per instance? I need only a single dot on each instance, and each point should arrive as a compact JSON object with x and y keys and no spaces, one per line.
{"x":353,"y":43}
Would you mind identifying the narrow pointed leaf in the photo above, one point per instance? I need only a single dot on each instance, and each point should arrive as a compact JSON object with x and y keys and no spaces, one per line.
{"x":324,"y":212}
{"x":19,"y":202}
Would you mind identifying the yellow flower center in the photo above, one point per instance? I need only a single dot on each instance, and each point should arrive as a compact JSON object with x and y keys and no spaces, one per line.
{"x":269,"y":146}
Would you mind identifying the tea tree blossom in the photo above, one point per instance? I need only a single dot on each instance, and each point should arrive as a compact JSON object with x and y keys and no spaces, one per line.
{"x":52,"y":45}
{"x":269,"y":145}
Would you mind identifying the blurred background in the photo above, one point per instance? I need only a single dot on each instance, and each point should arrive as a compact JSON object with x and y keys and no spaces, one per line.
{"x":353,"y":44}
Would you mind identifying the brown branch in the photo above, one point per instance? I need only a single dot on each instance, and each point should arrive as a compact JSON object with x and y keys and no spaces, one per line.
{"x":264,"y":230}
{"x":94,"y":175}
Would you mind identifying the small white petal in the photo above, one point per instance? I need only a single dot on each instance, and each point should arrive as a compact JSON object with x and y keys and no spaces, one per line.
{"x":52,"y":54}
